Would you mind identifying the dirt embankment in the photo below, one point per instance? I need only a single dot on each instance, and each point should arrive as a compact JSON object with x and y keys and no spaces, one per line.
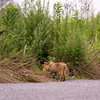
{"x":14,"y":71}
{"x":25,"y":70}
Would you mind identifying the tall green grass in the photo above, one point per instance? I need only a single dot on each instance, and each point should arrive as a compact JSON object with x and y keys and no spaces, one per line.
{"x":71,"y":39}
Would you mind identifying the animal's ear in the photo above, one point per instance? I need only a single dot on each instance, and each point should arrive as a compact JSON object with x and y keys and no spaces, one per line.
{"x":49,"y":65}
{"x":45,"y":62}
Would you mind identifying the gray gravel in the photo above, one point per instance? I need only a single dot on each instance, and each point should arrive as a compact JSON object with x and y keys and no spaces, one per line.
{"x":68,"y":90}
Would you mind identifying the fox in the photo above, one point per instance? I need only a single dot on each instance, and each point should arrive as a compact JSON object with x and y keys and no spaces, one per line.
{"x":58,"y":68}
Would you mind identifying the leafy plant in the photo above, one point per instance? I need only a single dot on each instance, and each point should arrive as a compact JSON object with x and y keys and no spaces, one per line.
{"x":10,"y":16}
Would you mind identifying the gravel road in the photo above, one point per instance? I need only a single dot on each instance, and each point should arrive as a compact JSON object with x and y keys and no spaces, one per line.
{"x":68,"y":90}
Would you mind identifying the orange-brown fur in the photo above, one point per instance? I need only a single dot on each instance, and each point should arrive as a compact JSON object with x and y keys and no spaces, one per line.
{"x":58,"y":67}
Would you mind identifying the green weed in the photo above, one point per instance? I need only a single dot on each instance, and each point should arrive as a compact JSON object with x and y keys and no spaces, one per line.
{"x":22,"y":78}
{"x":1,"y":76}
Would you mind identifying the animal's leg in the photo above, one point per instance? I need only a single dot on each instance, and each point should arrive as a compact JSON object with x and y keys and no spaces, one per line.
{"x":61,"y":75}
